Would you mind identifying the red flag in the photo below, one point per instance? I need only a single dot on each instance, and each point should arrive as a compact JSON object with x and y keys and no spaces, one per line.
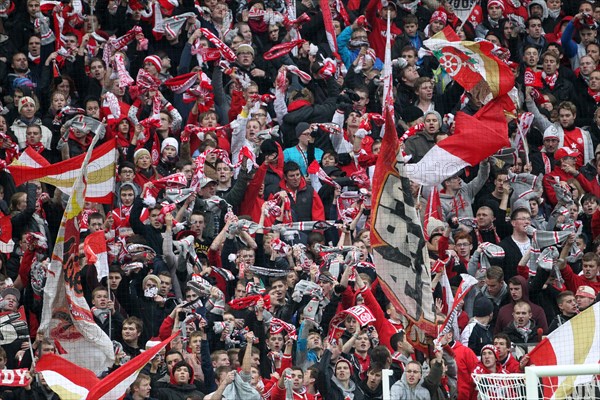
{"x":94,"y":247}
{"x":399,"y":249}
{"x":329,"y":29}
{"x":71,"y":381}
{"x":477,"y":137}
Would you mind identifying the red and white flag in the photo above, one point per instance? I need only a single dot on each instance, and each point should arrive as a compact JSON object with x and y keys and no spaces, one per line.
{"x":575,"y":342}
{"x":70,"y":381}
{"x":94,"y":247}
{"x":329,"y":29}
{"x":101,"y":171}
{"x":476,"y":138}
{"x":399,"y":249}
{"x":66,"y":316}
{"x":474,"y":66}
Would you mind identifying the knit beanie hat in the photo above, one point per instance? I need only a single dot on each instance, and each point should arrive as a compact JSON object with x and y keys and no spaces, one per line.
{"x":483,"y":307}
{"x":155,"y":60}
{"x":437,"y":114}
{"x":301,"y":127}
{"x":343,"y":360}
{"x":269,"y":146}
{"x":140,"y":152}
{"x":492,"y":348}
{"x":169,"y":142}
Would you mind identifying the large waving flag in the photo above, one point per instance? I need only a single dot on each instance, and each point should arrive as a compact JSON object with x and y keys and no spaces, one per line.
{"x":66,"y":316}
{"x":575,"y":342}
{"x":397,"y":238}
{"x":72,"y":382}
{"x":474,"y":66}
{"x":476,"y":138}
{"x":101,"y":171}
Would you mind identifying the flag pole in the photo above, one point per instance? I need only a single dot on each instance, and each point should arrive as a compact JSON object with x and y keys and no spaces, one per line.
{"x":31,"y":351}
{"x":110,"y":317}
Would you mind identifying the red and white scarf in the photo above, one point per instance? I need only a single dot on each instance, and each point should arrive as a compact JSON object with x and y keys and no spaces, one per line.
{"x":595,"y":95}
{"x":550,"y":80}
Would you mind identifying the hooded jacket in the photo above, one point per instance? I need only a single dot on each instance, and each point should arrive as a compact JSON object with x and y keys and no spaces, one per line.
{"x":466,"y":361}
{"x":505,"y":314}
{"x":330,"y":387}
{"x":401,"y":390}
{"x":460,"y":204}
{"x":178,"y":391}
{"x":303,"y":111}
{"x":540,"y":3}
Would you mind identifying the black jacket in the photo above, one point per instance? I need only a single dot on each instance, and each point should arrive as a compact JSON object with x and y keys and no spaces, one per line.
{"x":152,"y":235}
{"x":511,"y":258}
{"x":310,"y":113}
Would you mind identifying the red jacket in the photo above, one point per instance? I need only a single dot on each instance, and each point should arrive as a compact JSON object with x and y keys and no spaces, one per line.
{"x":573,"y":281}
{"x":511,"y":365}
{"x":318,"y":211}
{"x":377,"y":34}
{"x":384,"y":327}
{"x":590,"y":186}
{"x":252,"y":203}
{"x":466,"y":361}
{"x":549,"y":180}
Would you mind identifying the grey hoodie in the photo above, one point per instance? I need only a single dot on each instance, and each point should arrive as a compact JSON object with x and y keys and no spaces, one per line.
{"x":461,"y":203}
{"x":348,"y":393}
{"x":401,"y":390}
{"x":540,"y":3}
{"x":241,"y":389}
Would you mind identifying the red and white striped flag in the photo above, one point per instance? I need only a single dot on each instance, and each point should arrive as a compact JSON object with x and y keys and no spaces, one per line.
{"x":70,"y":381}
{"x":477,"y":137}
{"x":94,"y":247}
{"x":101,"y":171}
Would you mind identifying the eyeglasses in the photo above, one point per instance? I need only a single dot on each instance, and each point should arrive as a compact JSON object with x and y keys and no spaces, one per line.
{"x":462,"y":244}
{"x":260,"y":114}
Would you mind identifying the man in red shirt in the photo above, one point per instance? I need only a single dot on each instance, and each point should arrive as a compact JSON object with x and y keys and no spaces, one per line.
{"x":590,"y":262}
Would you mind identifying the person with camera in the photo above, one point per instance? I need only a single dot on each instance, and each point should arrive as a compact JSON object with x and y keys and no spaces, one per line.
{"x":305,"y":151}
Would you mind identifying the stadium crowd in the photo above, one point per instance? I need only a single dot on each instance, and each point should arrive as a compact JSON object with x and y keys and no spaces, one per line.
{"x":284,"y":132}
